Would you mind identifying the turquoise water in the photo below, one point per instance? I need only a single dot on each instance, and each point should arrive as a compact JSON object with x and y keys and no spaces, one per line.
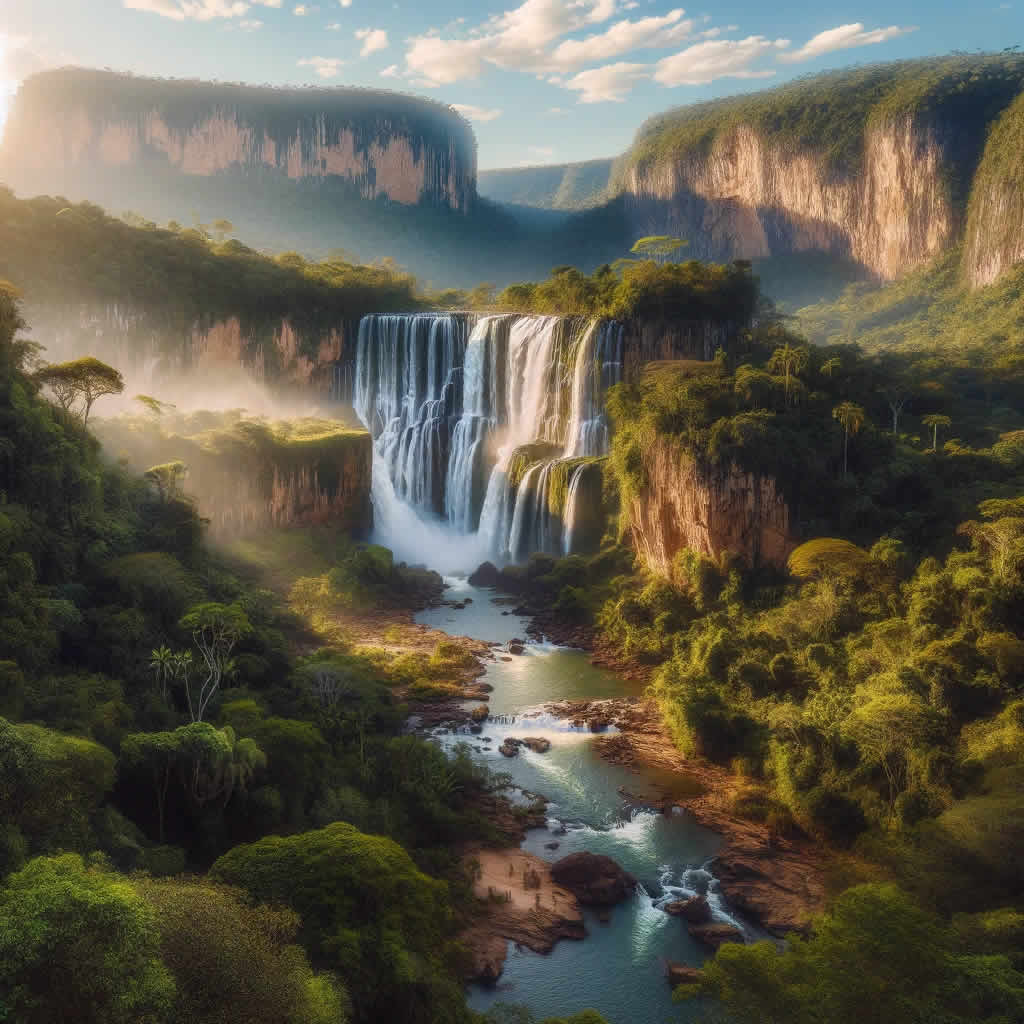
{"x":619,"y":968}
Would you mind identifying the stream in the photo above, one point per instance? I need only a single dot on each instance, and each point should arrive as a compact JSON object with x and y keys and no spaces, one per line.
{"x":619,"y":969}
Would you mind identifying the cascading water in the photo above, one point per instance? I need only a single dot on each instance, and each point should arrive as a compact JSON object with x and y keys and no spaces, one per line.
{"x":454,"y":403}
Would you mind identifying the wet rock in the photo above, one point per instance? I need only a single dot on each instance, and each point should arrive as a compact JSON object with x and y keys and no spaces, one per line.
{"x":516,"y":646}
{"x":476,"y":728}
{"x":598,"y":723}
{"x":715,"y":934}
{"x":552,"y":846}
{"x":682,"y":974}
{"x":604,"y":915}
{"x":486,"y":575}
{"x":695,"y":910}
{"x":594,"y":879}
{"x":479,"y":713}
{"x":510,"y":747}
{"x":537,"y":744}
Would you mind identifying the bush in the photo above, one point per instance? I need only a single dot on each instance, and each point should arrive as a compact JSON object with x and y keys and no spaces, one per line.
{"x":834,"y":816}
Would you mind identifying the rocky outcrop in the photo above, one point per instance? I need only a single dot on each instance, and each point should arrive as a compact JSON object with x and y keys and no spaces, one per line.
{"x":681,"y":974}
{"x":715,"y":934}
{"x":995,"y":225}
{"x":752,"y":197}
{"x":684,"y":505}
{"x":73,"y":124}
{"x":695,"y":910}
{"x":594,"y":879}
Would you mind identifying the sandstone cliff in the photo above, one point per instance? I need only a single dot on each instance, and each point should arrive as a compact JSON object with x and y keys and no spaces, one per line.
{"x":72,"y":125}
{"x":684,"y":505}
{"x":873,"y":165}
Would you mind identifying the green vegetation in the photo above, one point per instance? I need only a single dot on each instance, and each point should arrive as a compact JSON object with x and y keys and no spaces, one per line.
{"x":555,"y":187}
{"x":157,"y":719}
{"x":642,"y":288}
{"x":831,"y":113}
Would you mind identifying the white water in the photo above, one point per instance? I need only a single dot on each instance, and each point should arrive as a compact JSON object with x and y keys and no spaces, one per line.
{"x":449,"y":399}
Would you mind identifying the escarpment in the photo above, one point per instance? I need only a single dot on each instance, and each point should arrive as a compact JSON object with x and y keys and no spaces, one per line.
{"x":73,"y":126}
{"x":711,"y":510}
{"x":876,"y":165}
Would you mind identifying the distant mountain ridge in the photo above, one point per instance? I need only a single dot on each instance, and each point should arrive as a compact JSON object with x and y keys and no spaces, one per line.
{"x":574,"y":186}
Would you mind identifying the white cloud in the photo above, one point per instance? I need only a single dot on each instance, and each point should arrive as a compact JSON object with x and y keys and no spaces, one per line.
{"x":335,"y":26}
{"x":346,"y":3}
{"x":844,"y":37}
{"x":198,"y":10}
{"x":556,"y":111}
{"x":391,"y":71}
{"x":301,"y":10}
{"x":612,"y":83}
{"x":467,"y":110}
{"x":515,"y":40}
{"x":623,"y":37}
{"x":326,"y":67}
{"x":250,"y":24}
{"x":17,"y":61}
{"x":717,"y":58}
{"x":374,"y":39}
{"x":543,"y":151}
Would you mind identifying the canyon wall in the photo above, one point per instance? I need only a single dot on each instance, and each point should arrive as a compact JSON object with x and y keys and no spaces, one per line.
{"x":995,"y":225}
{"x":75,"y":125}
{"x":324,"y":481}
{"x":708,"y":510}
{"x":875,"y":165}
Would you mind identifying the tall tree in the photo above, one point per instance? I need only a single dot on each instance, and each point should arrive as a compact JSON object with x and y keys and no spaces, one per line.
{"x":216,"y":629}
{"x":660,"y":248}
{"x":936,"y":420}
{"x":790,"y":361}
{"x":851,"y":418}
{"x":87,"y":380}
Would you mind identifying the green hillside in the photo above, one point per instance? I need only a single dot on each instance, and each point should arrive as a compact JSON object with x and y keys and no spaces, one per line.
{"x":555,"y":187}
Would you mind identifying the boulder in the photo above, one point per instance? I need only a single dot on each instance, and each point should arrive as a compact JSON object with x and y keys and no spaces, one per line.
{"x":695,"y":910}
{"x":537,"y":744}
{"x":516,"y":646}
{"x":598,"y":723}
{"x":552,"y":845}
{"x":681,"y":974}
{"x":510,"y":747}
{"x":715,"y":934}
{"x":594,"y":879}
{"x":486,"y":575}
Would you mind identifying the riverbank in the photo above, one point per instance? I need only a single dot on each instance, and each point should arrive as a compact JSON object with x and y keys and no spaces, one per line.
{"x":518,"y":902}
{"x":776,"y":881}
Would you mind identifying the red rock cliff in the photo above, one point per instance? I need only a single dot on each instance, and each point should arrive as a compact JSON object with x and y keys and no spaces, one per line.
{"x":709,"y":511}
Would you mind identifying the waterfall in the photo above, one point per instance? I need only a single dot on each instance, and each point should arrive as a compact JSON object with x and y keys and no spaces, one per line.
{"x":598,"y":367}
{"x":481,"y":425}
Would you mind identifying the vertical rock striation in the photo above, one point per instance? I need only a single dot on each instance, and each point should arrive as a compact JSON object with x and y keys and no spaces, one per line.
{"x":75,"y":125}
{"x":708,"y":510}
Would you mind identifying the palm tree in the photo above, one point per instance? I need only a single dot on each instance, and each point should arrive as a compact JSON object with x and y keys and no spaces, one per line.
{"x":936,"y":420}
{"x":161,"y":661}
{"x":789,"y":360}
{"x":851,"y":417}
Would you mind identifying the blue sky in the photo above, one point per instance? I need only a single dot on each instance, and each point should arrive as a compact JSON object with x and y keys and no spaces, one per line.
{"x":542,"y":80}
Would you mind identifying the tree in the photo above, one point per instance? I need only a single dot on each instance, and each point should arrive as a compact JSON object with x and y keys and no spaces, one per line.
{"x":161,"y":661}
{"x":166,"y":478}
{"x":789,"y":360}
{"x":87,"y":379}
{"x":342,"y":883}
{"x":851,"y":418}
{"x":221,"y":228}
{"x":660,"y":248}
{"x":887,"y":728}
{"x":216,"y":629}
{"x":875,"y":957}
{"x":896,"y":397}
{"x":828,"y":556}
{"x":153,"y":405}
{"x":236,"y":962}
{"x":79,"y":944}
{"x":936,"y":420}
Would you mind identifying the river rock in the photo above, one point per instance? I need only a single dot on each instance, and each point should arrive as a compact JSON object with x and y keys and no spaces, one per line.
{"x":695,"y":910}
{"x":594,"y":879}
{"x":598,"y":724}
{"x":682,"y":974}
{"x":553,"y":845}
{"x":715,"y":934}
{"x":510,"y":747}
{"x":516,"y":646}
{"x":537,"y":744}
{"x":486,"y":575}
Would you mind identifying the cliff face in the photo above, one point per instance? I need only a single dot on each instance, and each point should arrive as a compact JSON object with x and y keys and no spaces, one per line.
{"x":70,"y":125}
{"x":684,"y":506}
{"x":161,"y":359}
{"x":995,"y":225}
{"x":328,"y":484}
{"x":751,"y":197}
{"x":877,"y":165}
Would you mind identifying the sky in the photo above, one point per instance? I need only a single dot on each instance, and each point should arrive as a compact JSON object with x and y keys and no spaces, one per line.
{"x":543,"y":81}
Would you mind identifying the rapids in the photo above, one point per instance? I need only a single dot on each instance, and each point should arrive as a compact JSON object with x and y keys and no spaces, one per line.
{"x":618,"y":969}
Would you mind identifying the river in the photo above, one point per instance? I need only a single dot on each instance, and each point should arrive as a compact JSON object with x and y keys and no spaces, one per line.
{"x":619,"y":968}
